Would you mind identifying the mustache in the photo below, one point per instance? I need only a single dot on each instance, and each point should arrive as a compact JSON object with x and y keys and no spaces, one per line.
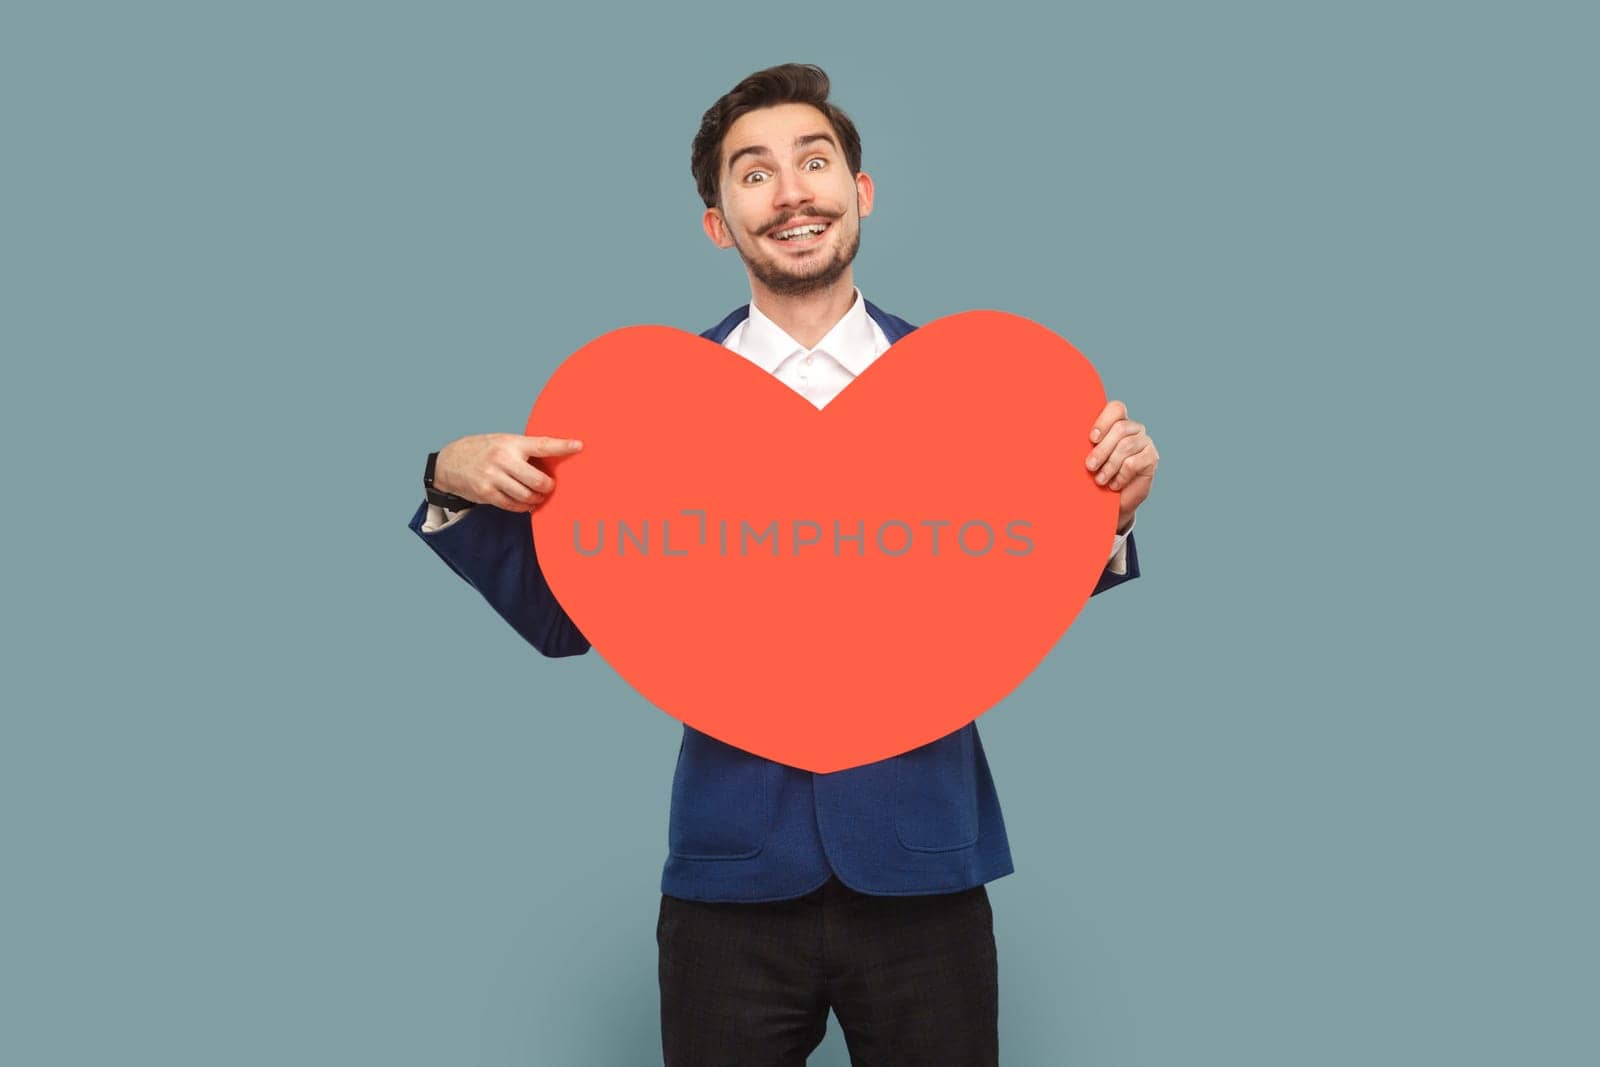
{"x":814,"y":213}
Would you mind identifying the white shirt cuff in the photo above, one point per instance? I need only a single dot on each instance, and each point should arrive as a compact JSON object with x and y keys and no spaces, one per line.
{"x":1118,"y":563}
{"x":440,"y":518}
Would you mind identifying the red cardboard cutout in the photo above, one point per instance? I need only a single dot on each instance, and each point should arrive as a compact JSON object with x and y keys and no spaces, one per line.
{"x":825,"y":588}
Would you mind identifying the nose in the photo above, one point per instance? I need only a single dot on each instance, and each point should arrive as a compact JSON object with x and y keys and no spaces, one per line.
{"x":791,"y":189}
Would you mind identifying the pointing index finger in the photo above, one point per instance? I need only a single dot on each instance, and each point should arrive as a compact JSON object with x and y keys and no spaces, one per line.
{"x":551,"y":446}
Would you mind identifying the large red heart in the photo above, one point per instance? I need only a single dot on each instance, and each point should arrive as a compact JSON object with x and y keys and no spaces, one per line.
{"x":809,"y":646}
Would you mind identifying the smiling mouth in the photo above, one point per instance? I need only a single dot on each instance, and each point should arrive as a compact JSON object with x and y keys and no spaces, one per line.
{"x":804,"y":235}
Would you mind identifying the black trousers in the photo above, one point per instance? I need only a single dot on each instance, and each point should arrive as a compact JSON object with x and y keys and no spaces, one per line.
{"x":912,"y":980}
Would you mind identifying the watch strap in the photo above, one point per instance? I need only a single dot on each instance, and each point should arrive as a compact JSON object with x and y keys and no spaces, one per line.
{"x":439,"y":496}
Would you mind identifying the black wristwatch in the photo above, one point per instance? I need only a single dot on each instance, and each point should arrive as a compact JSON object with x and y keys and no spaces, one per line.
{"x":439,"y":496}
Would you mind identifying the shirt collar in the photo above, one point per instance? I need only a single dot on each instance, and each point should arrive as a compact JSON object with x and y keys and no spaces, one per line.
{"x":852,"y":340}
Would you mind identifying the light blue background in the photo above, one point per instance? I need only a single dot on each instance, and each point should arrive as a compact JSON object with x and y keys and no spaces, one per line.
{"x":276,"y":788}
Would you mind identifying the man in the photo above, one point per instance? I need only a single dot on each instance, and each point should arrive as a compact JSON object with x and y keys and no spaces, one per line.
{"x":787,"y":893}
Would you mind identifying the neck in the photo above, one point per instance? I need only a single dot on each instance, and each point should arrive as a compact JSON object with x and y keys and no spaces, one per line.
{"x":807,"y":317}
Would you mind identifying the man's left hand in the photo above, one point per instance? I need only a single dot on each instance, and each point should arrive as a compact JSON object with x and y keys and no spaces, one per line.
{"x":1123,"y":459}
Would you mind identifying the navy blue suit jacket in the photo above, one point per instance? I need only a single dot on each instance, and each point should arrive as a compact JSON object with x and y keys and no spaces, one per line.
{"x":746,"y":828}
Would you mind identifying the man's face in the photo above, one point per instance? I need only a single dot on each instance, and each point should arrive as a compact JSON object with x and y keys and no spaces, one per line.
{"x":782,"y":168}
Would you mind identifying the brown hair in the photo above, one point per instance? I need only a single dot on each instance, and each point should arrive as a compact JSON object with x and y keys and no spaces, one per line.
{"x":791,"y":83}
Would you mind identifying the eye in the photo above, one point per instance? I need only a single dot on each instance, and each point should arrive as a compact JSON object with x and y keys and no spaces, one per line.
{"x":754,"y":174}
{"x":816,"y":159}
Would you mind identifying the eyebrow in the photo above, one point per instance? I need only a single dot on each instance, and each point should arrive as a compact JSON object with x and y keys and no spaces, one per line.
{"x":763,"y":150}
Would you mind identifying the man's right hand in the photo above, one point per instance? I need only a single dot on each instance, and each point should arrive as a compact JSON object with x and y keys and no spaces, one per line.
{"x":500,"y":468}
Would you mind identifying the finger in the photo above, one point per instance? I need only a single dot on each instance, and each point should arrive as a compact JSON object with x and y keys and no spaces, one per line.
{"x":530,"y":476}
{"x":1141,"y":464}
{"x":1114,"y":436}
{"x":1127,"y":470}
{"x":1113,"y":411}
{"x":519,"y":497}
{"x":1124,"y":448}
{"x":525,"y":506}
{"x":1124,"y":480}
{"x":503,"y":502}
{"x":550,"y":446}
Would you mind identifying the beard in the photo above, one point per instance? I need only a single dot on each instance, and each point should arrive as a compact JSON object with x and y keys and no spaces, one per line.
{"x":802,"y":280}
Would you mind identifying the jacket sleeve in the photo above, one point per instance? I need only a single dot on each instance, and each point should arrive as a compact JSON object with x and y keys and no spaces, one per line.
{"x":1109,"y":578}
{"x":492,"y":550}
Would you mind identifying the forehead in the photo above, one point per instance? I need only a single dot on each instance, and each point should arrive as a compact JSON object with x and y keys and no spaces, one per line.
{"x":774,"y":127}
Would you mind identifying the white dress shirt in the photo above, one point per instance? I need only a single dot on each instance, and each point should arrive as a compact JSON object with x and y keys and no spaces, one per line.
{"x":819,"y":374}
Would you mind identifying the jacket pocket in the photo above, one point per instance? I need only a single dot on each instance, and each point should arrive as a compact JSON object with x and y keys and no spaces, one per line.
{"x":721,"y":801}
{"x":936,"y":794}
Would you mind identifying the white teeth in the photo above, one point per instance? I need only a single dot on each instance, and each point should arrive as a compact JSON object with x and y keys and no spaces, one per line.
{"x":798,"y":231}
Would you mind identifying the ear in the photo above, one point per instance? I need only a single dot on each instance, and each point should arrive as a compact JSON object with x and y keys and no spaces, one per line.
{"x":863,"y":194}
{"x":716,"y":228}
